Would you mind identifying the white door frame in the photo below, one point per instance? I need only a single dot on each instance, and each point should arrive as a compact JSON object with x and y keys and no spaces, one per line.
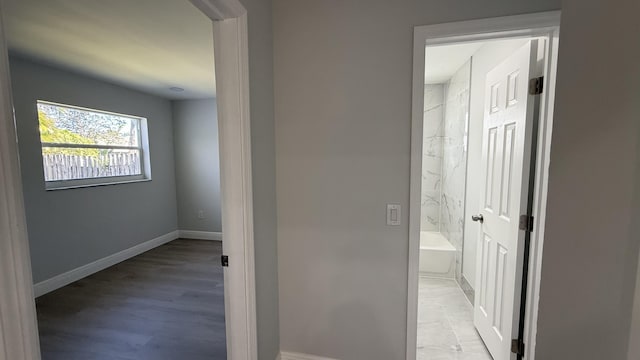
{"x":546,"y":24}
{"x":18,"y":326}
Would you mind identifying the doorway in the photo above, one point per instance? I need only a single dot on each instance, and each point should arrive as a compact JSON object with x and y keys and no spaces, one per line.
{"x":479,"y":141}
{"x":18,"y":331}
{"x":134,"y":162}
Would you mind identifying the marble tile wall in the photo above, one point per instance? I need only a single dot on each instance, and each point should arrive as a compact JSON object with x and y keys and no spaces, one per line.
{"x":433,"y":132}
{"x":454,"y":160}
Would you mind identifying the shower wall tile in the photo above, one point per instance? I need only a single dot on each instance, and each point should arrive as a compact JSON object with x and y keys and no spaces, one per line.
{"x":454,"y":160}
{"x":433,"y":131}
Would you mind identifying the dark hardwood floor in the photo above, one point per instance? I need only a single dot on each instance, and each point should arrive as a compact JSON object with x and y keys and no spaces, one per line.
{"x":165,"y":304}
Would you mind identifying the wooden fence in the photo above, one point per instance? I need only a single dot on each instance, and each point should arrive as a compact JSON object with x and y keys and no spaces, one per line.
{"x":69,"y":167}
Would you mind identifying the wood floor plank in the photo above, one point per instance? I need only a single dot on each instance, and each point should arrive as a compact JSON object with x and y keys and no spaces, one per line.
{"x":164,"y":304}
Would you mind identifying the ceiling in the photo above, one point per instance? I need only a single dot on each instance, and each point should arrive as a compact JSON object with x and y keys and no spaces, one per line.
{"x":443,"y":61}
{"x":148,"y":45}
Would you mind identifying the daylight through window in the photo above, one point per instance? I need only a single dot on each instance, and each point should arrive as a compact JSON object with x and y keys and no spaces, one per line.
{"x":80,"y":144}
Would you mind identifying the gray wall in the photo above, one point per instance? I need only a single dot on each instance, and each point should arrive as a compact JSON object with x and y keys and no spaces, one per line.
{"x":592,"y":236}
{"x":343,"y":75}
{"x":634,"y":334}
{"x":264,"y":175}
{"x":71,"y":228}
{"x":195,"y":139}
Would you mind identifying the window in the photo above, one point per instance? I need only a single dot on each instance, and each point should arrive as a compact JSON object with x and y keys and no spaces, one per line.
{"x":85,"y":147}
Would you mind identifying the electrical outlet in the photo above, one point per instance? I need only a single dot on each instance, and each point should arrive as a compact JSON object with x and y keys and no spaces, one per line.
{"x":393,"y":214}
{"x":200,"y":214}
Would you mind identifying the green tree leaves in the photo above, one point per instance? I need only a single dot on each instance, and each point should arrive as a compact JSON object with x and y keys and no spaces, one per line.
{"x":50,"y":133}
{"x":102,"y":128}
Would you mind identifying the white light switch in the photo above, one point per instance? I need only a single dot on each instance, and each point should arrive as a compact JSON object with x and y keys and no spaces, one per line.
{"x":393,"y":214}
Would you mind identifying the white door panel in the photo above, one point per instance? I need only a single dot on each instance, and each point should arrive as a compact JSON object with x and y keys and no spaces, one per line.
{"x":505,"y":168}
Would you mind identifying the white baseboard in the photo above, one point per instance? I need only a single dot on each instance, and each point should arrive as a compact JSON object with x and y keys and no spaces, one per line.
{"x":200,"y":235}
{"x":76,"y":274}
{"x":285,"y":355}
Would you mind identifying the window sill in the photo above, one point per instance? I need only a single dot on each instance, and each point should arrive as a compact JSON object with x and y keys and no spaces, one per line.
{"x":54,"y":187}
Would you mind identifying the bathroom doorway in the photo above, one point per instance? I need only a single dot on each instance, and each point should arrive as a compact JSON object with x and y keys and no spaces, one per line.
{"x":481,"y":115}
{"x":452,"y":183}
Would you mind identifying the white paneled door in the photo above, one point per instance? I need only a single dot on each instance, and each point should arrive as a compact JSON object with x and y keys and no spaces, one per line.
{"x":506,"y":158}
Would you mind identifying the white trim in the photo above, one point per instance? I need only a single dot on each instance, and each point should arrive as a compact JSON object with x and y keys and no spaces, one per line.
{"x":18,"y":327}
{"x":83,"y":271}
{"x":526,"y":25}
{"x":531,"y":25}
{"x":76,"y":184}
{"x":220,"y":9}
{"x":415,"y":191}
{"x":285,"y":355}
{"x":540,"y":193}
{"x":232,"y":83}
{"x":200,"y":235}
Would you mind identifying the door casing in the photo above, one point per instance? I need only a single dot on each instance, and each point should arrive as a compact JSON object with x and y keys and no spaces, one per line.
{"x":544,"y":25}
{"x":18,"y":326}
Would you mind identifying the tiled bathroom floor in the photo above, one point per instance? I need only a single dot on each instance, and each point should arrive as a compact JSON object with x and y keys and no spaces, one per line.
{"x":445,"y":323}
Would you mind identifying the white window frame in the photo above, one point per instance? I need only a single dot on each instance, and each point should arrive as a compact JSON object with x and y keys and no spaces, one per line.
{"x":143,"y":148}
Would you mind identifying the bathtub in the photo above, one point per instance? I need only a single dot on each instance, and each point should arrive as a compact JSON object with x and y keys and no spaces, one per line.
{"x":437,"y":255}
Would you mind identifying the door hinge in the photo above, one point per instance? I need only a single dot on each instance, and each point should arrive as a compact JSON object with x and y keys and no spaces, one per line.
{"x":536,"y":85}
{"x":224,"y":260}
{"x":526,"y":223}
{"x":517,"y":347}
